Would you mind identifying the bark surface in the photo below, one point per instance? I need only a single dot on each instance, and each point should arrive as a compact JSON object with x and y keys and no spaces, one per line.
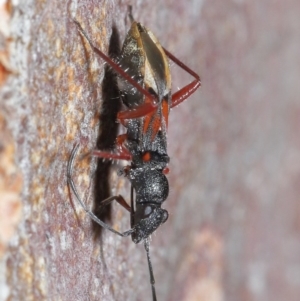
{"x":233,"y":229}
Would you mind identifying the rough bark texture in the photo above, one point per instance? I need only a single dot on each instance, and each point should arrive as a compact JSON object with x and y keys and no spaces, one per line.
{"x":233,"y":230}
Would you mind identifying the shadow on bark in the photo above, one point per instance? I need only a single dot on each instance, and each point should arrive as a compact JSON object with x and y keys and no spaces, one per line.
{"x":107,"y":133}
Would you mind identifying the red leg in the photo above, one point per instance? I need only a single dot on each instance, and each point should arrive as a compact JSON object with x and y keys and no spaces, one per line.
{"x":140,"y":111}
{"x":116,"y":67}
{"x":177,"y":98}
{"x":120,"y":145}
{"x":108,"y":155}
{"x":184,"y":93}
{"x":123,"y":154}
{"x":189,"y":89}
{"x":151,"y":105}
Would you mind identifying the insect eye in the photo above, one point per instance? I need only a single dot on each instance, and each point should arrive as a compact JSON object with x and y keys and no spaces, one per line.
{"x":148,"y":210}
{"x":165,"y":216}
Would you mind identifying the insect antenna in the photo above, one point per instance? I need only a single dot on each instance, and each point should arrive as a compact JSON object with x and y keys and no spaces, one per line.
{"x":90,"y":213}
{"x":152,"y":280}
{"x":130,"y":13}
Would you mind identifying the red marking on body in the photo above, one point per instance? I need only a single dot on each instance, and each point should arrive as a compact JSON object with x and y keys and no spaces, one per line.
{"x":146,"y":157}
{"x":165,"y":111}
{"x":154,"y":120}
{"x":156,"y":124}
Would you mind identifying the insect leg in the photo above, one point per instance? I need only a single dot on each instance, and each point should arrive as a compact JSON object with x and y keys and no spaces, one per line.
{"x":120,"y":145}
{"x":123,"y":154}
{"x":189,"y":89}
{"x":117,"y":198}
{"x":143,"y":109}
{"x":108,"y":155}
{"x":90,"y":213}
{"x":140,"y":111}
{"x":116,"y":67}
{"x":152,"y":280}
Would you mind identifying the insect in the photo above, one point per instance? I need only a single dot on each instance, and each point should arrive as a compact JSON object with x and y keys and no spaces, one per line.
{"x":144,"y":82}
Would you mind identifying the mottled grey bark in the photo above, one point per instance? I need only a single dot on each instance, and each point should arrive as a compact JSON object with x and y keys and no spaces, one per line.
{"x":233,"y":229}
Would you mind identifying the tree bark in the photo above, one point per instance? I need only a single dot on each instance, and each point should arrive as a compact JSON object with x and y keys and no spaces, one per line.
{"x":233,"y":229}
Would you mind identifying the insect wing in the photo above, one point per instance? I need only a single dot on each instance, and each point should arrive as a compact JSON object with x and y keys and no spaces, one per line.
{"x":157,"y":71}
{"x":144,"y":59}
{"x":132,"y":60}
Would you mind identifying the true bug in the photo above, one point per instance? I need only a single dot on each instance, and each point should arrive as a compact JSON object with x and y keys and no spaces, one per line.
{"x":144,"y":81}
